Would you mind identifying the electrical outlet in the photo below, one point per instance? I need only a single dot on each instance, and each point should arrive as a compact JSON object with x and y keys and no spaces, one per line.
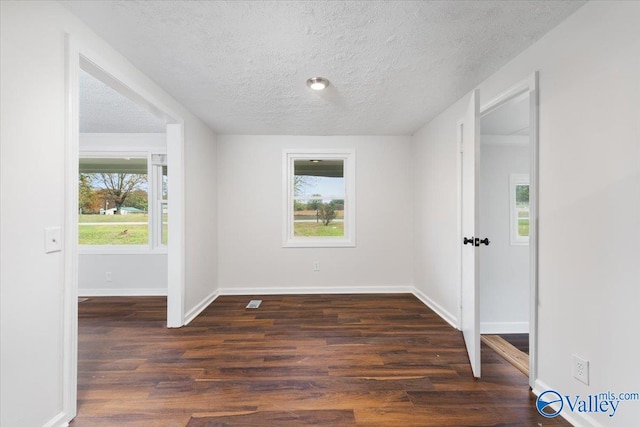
{"x":581,"y":369}
{"x":107,"y":276}
{"x":316,"y":265}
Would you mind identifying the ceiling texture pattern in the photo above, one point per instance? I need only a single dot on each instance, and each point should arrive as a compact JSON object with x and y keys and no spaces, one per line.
{"x":241,"y":66}
{"x":104,"y":110}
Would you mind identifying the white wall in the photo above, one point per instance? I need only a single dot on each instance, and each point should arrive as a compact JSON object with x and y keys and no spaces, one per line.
{"x":504,"y":268}
{"x":589,"y":200}
{"x":252,"y":259}
{"x":201,"y":218}
{"x":131,"y":274}
{"x":436,"y":268}
{"x":32,"y":109}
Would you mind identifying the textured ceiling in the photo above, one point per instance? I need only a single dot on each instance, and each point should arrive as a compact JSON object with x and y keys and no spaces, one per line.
{"x":241,"y":66}
{"x":103,"y":110}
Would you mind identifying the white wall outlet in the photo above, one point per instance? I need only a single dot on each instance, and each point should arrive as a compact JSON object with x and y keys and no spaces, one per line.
{"x":52,"y":239}
{"x":108,"y":277}
{"x":581,"y":369}
{"x":316,"y":265}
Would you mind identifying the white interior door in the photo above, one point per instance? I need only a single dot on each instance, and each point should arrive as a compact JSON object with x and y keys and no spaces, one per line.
{"x":470,"y":195}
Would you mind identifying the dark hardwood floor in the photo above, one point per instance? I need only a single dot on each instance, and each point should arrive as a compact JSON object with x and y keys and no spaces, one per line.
{"x":326,"y":360}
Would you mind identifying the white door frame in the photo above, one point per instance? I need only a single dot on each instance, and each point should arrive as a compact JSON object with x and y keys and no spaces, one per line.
{"x":77,"y":55}
{"x":529,"y":85}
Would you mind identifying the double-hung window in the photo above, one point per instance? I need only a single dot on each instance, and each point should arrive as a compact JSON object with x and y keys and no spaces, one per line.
{"x":123,"y":201}
{"x":319,"y":198}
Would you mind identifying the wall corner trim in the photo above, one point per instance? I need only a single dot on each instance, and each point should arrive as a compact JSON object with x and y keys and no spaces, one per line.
{"x":437,"y":308}
{"x":199,"y":308}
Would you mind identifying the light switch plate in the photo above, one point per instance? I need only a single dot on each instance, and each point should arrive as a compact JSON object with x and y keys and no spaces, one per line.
{"x":52,"y":239}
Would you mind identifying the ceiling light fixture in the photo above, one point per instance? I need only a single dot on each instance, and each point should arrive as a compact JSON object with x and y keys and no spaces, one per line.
{"x":318,"y":83}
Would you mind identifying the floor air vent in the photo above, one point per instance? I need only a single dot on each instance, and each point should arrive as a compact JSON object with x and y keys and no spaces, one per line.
{"x":254,"y":303}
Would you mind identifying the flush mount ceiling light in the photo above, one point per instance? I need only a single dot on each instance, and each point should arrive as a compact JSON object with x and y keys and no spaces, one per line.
{"x":317,"y":83}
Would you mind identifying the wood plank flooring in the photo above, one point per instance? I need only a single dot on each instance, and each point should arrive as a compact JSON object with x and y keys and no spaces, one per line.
{"x":519,"y":341}
{"x":507,"y":351}
{"x":325,"y":360}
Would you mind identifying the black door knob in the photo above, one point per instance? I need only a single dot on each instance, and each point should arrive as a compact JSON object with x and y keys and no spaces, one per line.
{"x":485,"y":241}
{"x":468,"y":241}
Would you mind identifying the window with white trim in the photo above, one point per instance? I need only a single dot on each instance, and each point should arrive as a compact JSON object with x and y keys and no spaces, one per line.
{"x":319,"y":198}
{"x":519,"y":205}
{"x":122,"y":200}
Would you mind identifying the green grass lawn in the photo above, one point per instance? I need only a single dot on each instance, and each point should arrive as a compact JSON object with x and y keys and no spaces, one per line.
{"x":113,"y":234}
{"x":104,"y":233}
{"x":523,"y":227}
{"x":318,"y":229}
{"x":136,"y":217}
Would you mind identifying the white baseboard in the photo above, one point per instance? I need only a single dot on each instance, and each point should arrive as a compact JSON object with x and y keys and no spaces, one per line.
{"x":576,"y":419}
{"x":123,"y":292}
{"x":60,"y":420}
{"x":437,"y":308}
{"x":195,"y":311}
{"x":504,"y":327}
{"x":318,"y":290}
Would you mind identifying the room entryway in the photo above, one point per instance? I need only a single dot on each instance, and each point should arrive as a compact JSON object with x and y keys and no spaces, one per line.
{"x":504,"y":266}
{"x":498,"y":184}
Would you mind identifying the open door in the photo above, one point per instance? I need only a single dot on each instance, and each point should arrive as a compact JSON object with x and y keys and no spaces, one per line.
{"x":470,"y":147}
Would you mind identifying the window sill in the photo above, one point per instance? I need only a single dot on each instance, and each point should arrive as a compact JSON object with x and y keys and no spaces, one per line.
{"x":318,"y":243}
{"x":119,"y":250}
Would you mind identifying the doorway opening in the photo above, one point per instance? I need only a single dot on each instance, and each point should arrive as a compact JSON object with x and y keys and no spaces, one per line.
{"x":82,"y":64}
{"x":490,"y":308}
{"x":123,"y":198}
{"x":504,"y":216}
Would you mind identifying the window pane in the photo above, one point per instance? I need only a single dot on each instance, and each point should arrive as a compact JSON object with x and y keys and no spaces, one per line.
{"x":522,"y":196}
{"x":318,"y":218}
{"x":522,"y":209}
{"x":319,"y":202}
{"x":165,"y":185}
{"x":165,"y":224}
{"x":523,"y":222}
{"x":317,"y":178}
{"x":113,"y":202}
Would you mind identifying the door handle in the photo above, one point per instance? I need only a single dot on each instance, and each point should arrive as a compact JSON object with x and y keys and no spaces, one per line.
{"x":476,"y":241}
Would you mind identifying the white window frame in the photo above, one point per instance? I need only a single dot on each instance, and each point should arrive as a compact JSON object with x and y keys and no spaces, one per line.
{"x":152,"y":245}
{"x":157,"y":198}
{"x":516,"y":179}
{"x":349,"y":238}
